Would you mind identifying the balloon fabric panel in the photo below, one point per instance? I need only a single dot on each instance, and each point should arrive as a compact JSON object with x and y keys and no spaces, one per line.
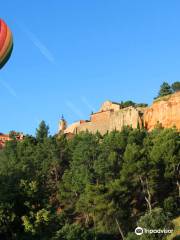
{"x":6,"y":43}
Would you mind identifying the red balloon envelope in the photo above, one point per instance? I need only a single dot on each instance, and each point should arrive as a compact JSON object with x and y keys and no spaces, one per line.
{"x":6,"y":43}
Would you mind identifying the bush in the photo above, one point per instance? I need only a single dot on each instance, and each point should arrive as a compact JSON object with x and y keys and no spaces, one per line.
{"x":73,"y":232}
{"x":176,"y":86}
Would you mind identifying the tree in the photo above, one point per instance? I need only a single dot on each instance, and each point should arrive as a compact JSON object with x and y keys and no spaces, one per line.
{"x":89,"y":187}
{"x":42,"y":132}
{"x":73,"y":232}
{"x":165,"y":89}
{"x":165,"y":153}
{"x":176,"y":86}
{"x":128,"y":104}
{"x":157,"y":219}
{"x":84,"y":150}
{"x":109,"y":160}
{"x":99,"y":208}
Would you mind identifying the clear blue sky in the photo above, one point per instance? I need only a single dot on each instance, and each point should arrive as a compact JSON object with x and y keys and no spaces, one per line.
{"x":69,"y":56}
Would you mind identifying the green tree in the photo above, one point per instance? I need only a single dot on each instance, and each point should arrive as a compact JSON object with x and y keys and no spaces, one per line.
{"x":42,"y":132}
{"x":157,"y":219}
{"x":176,"y":86}
{"x":73,"y":232}
{"x":128,"y":103}
{"x":89,"y":187}
{"x":110,"y":158}
{"x":165,"y":153}
{"x":165,"y":89}
{"x":84,"y":150}
{"x":99,"y":208}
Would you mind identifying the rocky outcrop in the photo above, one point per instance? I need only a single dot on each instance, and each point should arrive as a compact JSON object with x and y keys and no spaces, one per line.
{"x":130,"y":116}
{"x":164,"y":111}
{"x":110,"y":117}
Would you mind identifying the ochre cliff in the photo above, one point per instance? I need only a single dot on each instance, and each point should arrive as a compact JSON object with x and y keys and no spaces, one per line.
{"x":110,"y":120}
{"x":164,"y":111}
{"x":111,"y":116}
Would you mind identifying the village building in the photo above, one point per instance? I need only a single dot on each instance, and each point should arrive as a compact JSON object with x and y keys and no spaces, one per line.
{"x":111,"y":116}
{"x":164,"y":111}
{"x":6,"y":137}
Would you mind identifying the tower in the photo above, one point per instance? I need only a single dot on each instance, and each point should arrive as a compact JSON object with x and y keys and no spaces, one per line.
{"x":62,"y":125}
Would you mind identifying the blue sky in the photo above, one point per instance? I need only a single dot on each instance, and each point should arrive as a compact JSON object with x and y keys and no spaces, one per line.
{"x":70,"y":56}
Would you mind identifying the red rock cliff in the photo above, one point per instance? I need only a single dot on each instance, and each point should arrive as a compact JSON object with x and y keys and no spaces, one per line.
{"x":165,"y":110}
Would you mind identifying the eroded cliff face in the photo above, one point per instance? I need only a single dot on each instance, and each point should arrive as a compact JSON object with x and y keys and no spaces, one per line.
{"x":109,"y":120}
{"x":130,"y":116}
{"x":164,"y":111}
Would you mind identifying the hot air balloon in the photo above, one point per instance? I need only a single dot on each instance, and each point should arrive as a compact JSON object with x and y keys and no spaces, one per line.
{"x":6,"y":43}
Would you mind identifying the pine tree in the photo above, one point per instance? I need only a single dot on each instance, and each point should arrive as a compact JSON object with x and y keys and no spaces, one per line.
{"x":165,"y":89}
{"x":42,"y":132}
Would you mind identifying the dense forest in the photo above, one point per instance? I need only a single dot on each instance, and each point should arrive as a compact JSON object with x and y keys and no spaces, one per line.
{"x":89,"y":187}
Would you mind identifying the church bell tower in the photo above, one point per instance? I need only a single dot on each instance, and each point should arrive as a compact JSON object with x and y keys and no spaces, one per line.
{"x":62,"y":125}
